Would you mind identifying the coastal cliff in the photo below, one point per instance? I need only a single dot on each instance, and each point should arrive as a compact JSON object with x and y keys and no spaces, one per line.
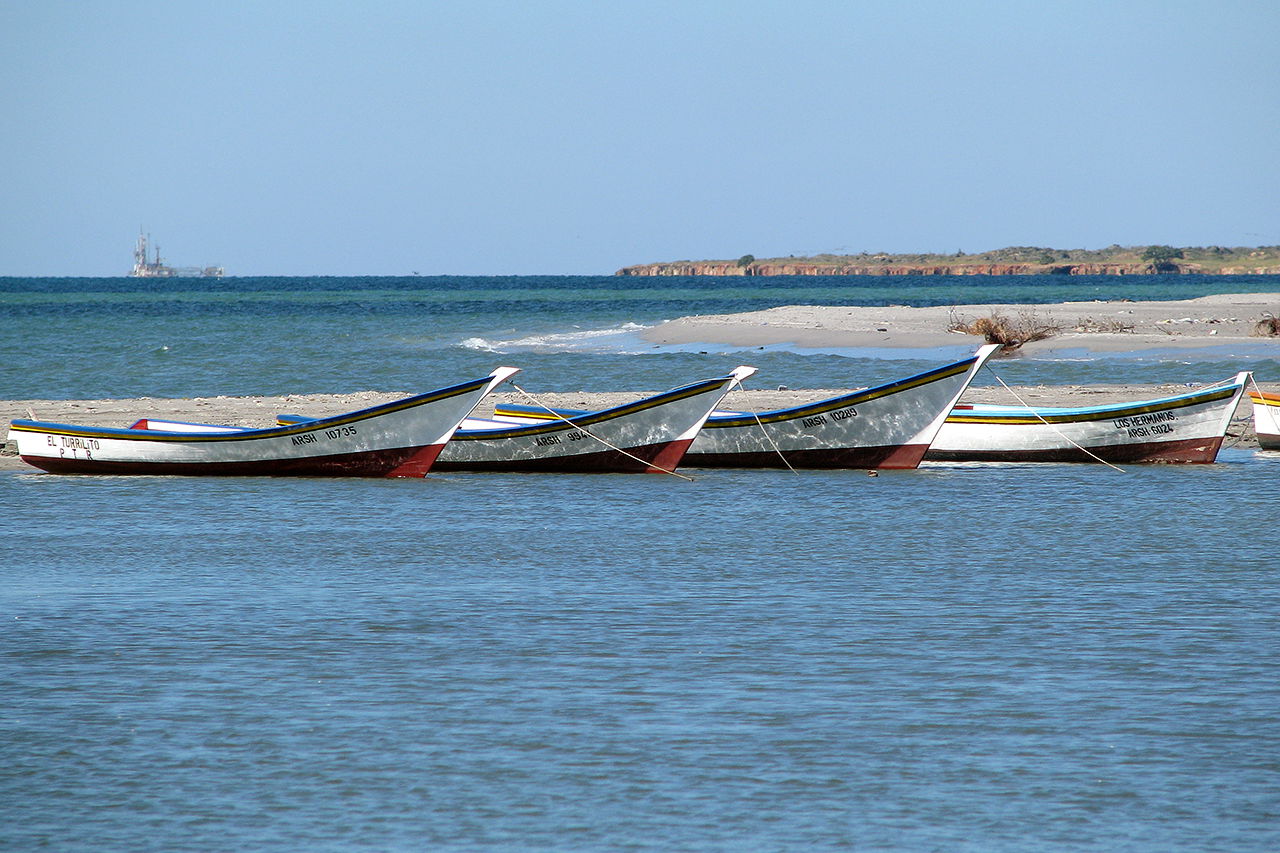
{"x":1114,"y":260}
{"x":793,"y":268}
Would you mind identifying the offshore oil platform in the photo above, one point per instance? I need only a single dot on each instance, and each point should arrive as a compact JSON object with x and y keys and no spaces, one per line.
{"x":143,"y":268}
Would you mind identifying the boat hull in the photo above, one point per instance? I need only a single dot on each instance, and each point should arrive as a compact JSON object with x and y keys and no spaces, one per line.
{"x":904,"y":456}
{"x":890,"y":426}
{"x":1188,"y":428}
{"x":647,"y":459}
{"x":1266,"y":419}
{"x":376,"y":463}
{"x":651,"y":435}
{"x":398,"y":439}
{"x":1188,"y":451}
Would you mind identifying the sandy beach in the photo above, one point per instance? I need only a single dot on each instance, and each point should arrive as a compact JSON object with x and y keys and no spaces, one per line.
{"x":1096,"y":326}
{"x":1211,"y":321}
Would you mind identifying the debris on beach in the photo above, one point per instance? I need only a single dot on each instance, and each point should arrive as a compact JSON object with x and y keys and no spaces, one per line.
{"x":1267,"y":327}
{"x":1010,"y":334}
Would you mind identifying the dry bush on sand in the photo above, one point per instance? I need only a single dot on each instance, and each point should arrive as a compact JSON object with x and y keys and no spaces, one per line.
{"x":1010,"y":334}
{"x":1267,"y":327}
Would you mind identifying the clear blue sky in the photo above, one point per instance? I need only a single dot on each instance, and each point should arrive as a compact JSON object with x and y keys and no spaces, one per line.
{"x":388,"y":136}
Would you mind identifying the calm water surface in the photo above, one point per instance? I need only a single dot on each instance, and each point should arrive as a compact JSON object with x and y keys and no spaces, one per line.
{"x":1040,"y":657}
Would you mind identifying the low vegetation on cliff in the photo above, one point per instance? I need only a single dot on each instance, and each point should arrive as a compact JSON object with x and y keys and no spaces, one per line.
{"x":1014,"y":260}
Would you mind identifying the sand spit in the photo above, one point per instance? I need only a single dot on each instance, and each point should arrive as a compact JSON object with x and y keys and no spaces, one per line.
{"x":1096,"y":326}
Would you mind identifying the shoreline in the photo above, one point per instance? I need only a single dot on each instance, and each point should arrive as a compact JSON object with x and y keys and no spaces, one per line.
{"x":1217,"y":322}
{"x":1098,"y":326}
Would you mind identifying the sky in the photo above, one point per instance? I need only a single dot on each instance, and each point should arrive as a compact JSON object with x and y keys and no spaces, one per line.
{"x":393,"y":137}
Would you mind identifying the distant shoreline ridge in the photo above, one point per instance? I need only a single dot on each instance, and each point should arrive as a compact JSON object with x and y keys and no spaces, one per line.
{"x":1019,"y":260}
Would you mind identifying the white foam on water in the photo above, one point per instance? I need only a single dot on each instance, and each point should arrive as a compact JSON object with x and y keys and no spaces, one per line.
{"x":621,"y":339}
{"x":479,"y":344}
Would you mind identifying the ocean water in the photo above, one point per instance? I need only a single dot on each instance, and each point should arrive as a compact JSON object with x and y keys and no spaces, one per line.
{"x":122,"y":337}
{"x":962,"y":657}
{"x":974,"y":658}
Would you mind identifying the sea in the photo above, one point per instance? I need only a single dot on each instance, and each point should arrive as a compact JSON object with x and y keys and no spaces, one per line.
{"x":977,"y":657}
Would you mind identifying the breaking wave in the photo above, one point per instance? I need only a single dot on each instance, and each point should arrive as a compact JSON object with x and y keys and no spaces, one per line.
{"x":622,"y":339}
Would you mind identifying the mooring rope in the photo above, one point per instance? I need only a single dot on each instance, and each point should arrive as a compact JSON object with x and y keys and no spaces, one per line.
{"x":1051,"y":426}
{"x":769,"y":438}
{"x":583,"y":429}
{"x":1236,"y":439}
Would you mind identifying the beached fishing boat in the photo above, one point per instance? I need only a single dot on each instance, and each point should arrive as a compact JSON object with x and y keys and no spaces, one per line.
{"x":649,"y":435}
{"x":1184,"y":428}
{"x":1266,"y":419}
{"x":889,"y":426}
{"x":398,"y":439}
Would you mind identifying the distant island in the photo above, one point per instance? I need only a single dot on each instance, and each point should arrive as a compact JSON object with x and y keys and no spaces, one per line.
{"x":1015,"y":260}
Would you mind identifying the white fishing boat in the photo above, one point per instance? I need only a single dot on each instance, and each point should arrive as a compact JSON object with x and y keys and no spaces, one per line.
{"x":1183,"y":428}
{"x":398,"y":439}
{"x":889,"y":426}
{"x":649,"y":435}
{"x":1266,"y":419}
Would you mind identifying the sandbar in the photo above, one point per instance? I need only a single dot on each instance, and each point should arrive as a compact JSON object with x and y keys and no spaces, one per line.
{"x":1099,"y":326}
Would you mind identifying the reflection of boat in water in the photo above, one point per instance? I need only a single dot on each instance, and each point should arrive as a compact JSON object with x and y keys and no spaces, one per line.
{"x":143,"y":268}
